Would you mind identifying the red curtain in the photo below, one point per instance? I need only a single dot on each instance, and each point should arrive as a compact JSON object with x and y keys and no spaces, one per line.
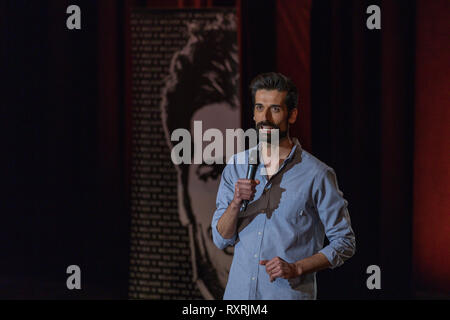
{"x":293,"y":58}
{"x":431,"y":225}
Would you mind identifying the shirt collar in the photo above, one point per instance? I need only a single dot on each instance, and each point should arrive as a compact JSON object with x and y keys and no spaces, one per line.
{"x":296,"y":148}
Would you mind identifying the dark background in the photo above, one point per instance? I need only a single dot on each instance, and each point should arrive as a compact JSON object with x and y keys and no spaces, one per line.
{"x":369,"y":100}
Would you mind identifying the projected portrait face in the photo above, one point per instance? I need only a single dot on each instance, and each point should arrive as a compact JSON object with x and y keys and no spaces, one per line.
{"x":203,"y":184}
{"x":203,"y":86}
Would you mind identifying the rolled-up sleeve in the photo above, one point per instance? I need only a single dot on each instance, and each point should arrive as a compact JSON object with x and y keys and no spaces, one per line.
{"x":224,"y":197}
{"x":332,"y":209}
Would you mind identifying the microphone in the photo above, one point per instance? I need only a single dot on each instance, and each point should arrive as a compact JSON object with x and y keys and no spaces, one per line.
{"x":251,"y":171}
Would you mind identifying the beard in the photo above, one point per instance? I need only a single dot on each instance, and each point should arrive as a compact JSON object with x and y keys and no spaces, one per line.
{"x":266,"y":137}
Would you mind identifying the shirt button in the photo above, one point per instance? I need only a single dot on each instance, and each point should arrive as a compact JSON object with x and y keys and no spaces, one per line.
{"x":253,"y":278}
{"x":260,"y":233}
{"x":256,"y":256}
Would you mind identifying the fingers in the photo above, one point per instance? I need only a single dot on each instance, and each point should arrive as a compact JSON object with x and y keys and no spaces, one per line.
{"x":277,"y":261}
{"x":248,"y":182}
{"x":245,"y":189}
{"x":272,"y":267}
{"x":244,"y":194}
{"x":278,"y":274}
{"x":275,"y":268}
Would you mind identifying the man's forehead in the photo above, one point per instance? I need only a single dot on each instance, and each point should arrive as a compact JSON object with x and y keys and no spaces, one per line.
{"x":270,"y":96}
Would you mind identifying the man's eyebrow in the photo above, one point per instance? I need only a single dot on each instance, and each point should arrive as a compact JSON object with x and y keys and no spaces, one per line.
{"x":272,"y":105}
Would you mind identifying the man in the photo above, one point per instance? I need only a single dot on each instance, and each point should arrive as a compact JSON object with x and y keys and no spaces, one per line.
{"x":278,"y":239}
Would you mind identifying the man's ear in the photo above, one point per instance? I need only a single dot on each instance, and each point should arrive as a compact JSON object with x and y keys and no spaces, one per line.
{"x":293,"y":116}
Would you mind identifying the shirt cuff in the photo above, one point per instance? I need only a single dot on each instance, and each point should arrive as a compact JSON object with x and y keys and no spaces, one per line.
{"x":332,"y":256}
{"x":220,"y":241}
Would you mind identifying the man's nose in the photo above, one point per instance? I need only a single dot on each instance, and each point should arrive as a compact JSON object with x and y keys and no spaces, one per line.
{"x":267,"y":115}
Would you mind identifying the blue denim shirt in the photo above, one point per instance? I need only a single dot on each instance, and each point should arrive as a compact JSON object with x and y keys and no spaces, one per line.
{"x":289,"y":217}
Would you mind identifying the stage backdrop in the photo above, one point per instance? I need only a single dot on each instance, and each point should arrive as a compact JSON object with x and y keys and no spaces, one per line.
{"x":185,"y":67}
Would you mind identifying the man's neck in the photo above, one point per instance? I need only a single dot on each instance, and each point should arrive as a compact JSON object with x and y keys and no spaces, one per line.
{"x":285,"y":147}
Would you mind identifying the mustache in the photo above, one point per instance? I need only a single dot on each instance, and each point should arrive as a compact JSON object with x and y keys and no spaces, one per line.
{"x":259,"y":125}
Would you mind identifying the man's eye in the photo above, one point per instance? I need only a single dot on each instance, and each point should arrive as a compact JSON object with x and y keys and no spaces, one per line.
{"x":258,"y":107}
{"x":207,"y":171}
{"x":276,"y":109}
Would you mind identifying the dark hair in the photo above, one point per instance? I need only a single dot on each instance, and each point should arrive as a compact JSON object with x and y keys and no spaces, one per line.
{"x":198,"y":75}
{"x":275,"y":81}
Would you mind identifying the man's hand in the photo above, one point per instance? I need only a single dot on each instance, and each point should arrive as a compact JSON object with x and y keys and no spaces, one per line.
{"x":244,"y":189}
{"x":278,"y":268}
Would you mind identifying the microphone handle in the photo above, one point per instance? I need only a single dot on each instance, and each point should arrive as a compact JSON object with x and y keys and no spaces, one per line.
{"x":250,"y":175}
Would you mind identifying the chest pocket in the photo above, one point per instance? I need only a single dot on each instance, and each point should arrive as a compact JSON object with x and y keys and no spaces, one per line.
{"x":297,"y":216}
{"x":292,"y":206}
